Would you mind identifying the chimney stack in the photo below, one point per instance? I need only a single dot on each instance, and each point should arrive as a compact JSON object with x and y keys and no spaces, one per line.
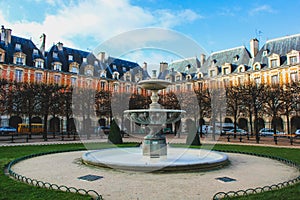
{"x":163,"y":67}
{"x":60,"y":46}
{"x":101,"y":56}
{"x":145,"y":66}
{"x":43,"y":43}
{"x":202,"y":59}
{"x":8,"y":36}
{"x":2,"y":33}
{"x":254,"y":45}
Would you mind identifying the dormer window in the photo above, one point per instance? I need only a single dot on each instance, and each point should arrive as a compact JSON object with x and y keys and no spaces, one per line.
{"x":256,"y":67}
{"x":212,"y":73}
{"x":241,"y":68}
{"x":177,"y":78}
{"x":74,"y":69}
{"x":18,"y":47}
{"x":70,"y":57}
{"x":55,"y":55}
{"x":188,"y":77}
{"x":274,"y":63}
{"x":128,"y":77}
{"x":84,"y":60}
{"x":274,"y":60}
{"x":226,"y":70}
{"x":39,"y":63}
{"x":115,"y":75}
{"x":114,"y":67}
{"x":57,"y":66}
{"x":293,"y":60}
{"x":19,"y":58}
{"x":293,"y":57}
{"x":96,"y":63}
{"x":35,"y":52}
{"x":103,"y":74}
{"x":265,"y":52}
{"x":236,"y":58}
{"x":89,"y":70}
{"x":124,"y":69}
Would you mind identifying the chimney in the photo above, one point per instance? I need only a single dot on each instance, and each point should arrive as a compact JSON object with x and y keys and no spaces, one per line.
{"x":60,"y":46}
{"x":202,"y":59}
{"x":8,"y":36}
{"x":101,"y":56}
{"x":254,"y":47}
{"x":2,"y":34}
{"x":43,"y":43}
{"x":145,"y":66}
{"x":163,"y":67}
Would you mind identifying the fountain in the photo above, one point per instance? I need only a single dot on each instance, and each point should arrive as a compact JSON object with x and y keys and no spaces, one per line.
{"x":154,"y":155}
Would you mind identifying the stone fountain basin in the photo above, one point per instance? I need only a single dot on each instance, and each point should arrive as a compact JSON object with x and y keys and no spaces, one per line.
{"x":178,"y":159}
{"x":154,"y":116}
{"x":155,"y":84}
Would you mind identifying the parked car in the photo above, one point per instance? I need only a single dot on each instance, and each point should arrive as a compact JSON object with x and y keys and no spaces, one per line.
{"x":238,"y":131}
{"x":297,"y":132}
{"x":269,"y":132}
{"x":7,"y":129}
{"x":167,"y":131}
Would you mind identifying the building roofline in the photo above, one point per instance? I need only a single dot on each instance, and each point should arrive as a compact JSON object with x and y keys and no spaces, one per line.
{"x":282,"y":38}
{"x":234,"y":48}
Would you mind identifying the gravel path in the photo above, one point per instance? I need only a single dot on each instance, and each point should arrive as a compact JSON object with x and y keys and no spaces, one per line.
{"x":65,"y":168}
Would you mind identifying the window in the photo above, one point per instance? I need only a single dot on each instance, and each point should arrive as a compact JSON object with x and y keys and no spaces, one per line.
{"x":274,"y":63}
{"x":294,"y":77}
{"x":70,"y":57}
{"x":89,"y":72}
{"x":116,"y":87}
{"x":57,"y":79}
{"x":96,"y":63}
{"x":2,"y":57}
{"x":55,"y":55}
{"x":226,"y":70}
{"x":102,"y":85}
{"x":35,"y":52}
{"x":39,"y":64}
{"x":265,"y":52}
{"x":177,"y":78}
{"x":212,"y":73}
{"x":240,"y":80}
{"x":19,"y":75}
{"x":226,"y":81}
{"x":115,"y":75}
{"x":127,"y":89}
{"x":293,"y":60}
{"x":236,"y":58}
{"x":38,"y":77}
{"x":178,"y":88}
{"x":241,"y":69}
{"x":18,"y":47}
{"x":127,"y":77}
{"x":84,"y":60}
{"x":73,"y":81}
{"x":188,"y":77}
{"x":274,"y":79}
{"x":19,"y":60}
{"x":114,"y":67}
{"x":188,"y":87}
{"x":257,"y":80}
{"x":74,"y":69}
{"x":256,"y":67}
{"x":57,"y":67}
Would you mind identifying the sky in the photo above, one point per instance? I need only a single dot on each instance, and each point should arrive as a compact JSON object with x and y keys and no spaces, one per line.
{"x":213,"y":25}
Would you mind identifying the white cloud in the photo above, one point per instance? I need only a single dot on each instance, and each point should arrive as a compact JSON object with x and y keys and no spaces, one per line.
{"x":97,"y":19}
{"x":261,"y":9}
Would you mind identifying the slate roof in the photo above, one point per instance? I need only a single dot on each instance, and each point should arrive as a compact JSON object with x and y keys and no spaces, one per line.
{"x":27,"y":47}
{"x":280,"y":46}
{"x":228,"y":56}
{"x":181,"y":65}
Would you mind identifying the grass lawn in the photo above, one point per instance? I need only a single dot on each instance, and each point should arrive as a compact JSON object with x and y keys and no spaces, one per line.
{"x":12,"y":189}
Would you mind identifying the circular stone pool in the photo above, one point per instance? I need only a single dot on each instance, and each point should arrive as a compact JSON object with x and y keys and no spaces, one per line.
{"x":177,"y":159}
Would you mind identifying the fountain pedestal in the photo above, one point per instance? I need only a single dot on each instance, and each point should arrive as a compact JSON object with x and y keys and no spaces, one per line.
{"x":155,"y":146}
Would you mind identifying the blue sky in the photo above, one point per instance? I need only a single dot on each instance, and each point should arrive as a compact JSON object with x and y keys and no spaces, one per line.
{"x":214,"y":25}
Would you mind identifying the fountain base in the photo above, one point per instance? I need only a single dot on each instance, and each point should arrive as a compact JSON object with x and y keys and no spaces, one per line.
{"x":154,"y":146}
